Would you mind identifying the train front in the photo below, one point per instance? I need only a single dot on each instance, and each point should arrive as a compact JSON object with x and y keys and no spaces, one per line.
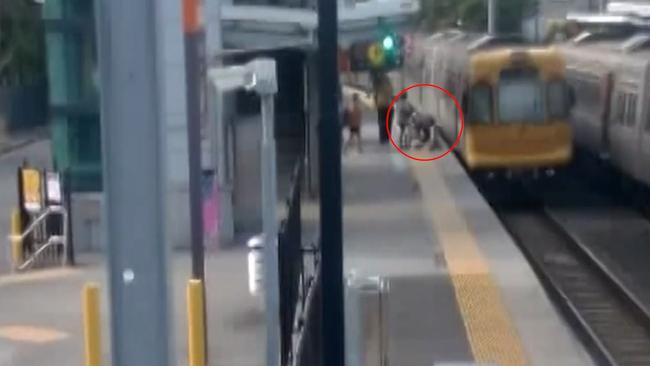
{"x":517,"y":113}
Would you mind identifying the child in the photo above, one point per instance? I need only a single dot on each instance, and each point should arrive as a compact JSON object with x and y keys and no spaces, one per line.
{"x":405,"y":112}
{"x":354,"y":118}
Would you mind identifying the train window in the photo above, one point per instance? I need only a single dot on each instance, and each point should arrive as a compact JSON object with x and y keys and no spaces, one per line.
{"x":558,"y":99}
{"x":630,"y":117}
{"x":480,"y":104}
{"x":619,"y":109}
{"x":521,"y":97}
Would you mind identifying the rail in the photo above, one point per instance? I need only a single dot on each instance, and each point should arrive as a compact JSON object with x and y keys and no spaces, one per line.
{"x":40,"y":232}
{"x":308,"y":331}
{"x":47,"y":249}
{"x":299,"y":279}
{"x":290,"y":261}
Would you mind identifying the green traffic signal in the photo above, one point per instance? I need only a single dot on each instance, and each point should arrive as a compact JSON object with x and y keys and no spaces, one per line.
{"x":388,"y":43}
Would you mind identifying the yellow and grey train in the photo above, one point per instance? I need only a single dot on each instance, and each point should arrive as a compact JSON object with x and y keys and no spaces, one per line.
{"x":515,"y":100}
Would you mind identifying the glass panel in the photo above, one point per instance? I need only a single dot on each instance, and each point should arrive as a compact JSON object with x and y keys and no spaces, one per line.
{"x":480,"y":104}
{"x":620,"y":108}
{"x":85,"y":141}
{"x":557,"y":99}
{"x":521,"y":97}
{"x":631,"y":110}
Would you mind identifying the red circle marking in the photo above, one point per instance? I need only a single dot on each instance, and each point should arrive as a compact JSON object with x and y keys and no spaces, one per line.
{"x":460,"y":113}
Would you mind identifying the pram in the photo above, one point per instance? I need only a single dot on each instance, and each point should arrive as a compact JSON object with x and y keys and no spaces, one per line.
{"x":419,"y":126}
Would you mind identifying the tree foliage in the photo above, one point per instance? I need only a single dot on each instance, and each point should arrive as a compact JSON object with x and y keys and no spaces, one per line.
{"x":21,"y":42}
{"x":472,"y":14}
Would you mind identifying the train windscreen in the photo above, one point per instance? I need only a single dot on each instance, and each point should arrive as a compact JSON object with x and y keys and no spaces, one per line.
{"x":520,"y":97}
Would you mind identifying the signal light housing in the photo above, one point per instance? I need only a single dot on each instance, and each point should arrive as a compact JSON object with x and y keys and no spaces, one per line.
{"x":384,"y":53}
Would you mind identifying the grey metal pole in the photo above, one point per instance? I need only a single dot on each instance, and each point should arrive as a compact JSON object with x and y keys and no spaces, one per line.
{"x":130,"y":40}
{"x":492,"y":16}
{"x":270,"y":225}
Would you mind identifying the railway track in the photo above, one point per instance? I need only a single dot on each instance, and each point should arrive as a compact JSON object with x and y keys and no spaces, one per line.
{"x":607,"y":318}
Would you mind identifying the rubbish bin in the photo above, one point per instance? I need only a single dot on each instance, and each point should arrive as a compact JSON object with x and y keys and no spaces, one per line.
{"x":366,"y":312}
{"x":256,"y":264}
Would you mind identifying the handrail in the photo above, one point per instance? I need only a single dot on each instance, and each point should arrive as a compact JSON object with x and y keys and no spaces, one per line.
{"x":51,"y":241}
{"x":309,"y":316}
{"x":50,"y":210}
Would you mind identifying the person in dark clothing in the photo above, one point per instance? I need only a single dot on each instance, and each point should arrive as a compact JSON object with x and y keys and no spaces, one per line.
{"x":383,"y":98}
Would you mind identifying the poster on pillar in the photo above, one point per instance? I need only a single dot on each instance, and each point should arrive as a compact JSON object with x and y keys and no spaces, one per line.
{"x":210,"y":210}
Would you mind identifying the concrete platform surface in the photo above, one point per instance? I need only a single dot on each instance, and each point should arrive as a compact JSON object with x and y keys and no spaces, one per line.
{"x":460,"y":290}
{"x":41,"y":321}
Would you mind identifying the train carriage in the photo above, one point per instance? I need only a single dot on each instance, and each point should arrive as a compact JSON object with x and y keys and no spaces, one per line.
{"x":612,"y":113}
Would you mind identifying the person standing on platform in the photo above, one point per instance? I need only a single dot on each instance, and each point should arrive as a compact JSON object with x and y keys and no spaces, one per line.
{"x":354,"y":117}
{"x":405,"y":112}
{"x":383,"y":98}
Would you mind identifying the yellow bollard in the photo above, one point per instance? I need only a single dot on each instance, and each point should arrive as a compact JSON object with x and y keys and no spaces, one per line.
{"x":16,"y":242}
{"x":92,"y":325}
{"x":195,"y":323}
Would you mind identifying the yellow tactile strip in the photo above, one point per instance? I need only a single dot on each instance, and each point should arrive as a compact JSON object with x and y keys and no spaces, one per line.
{"x":490,"y":330}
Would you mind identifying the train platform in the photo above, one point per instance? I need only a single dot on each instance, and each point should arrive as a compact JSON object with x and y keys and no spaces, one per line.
{"x":460,"y":289}
{"x":41,"y":318}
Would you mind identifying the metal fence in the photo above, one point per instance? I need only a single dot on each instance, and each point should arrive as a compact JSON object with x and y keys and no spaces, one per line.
{"x":299,"y":270}
{"x":308,"y":331}
{"x":291,"y":265}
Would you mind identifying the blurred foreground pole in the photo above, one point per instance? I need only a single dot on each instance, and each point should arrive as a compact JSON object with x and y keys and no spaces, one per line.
{"x":194,"y":71}
{"x":130,"y":60}
{"x":330,"y":187}
{"x":492,"y":17}
{"x":193,"y":30}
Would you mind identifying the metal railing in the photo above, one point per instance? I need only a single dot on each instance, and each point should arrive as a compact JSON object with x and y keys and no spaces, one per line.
{"x":47,"y":247}
{"x":290,"y":258}
{"x":299,"y":279}
{"x":308,"y":331}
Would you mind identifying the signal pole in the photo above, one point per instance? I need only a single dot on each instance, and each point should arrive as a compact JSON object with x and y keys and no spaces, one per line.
{"x":492,"y":17}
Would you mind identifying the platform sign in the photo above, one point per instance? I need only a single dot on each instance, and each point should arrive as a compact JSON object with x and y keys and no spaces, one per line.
{"x":53,"y":188}
{"x":31,"y":189}
{"x":376,"y":55}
